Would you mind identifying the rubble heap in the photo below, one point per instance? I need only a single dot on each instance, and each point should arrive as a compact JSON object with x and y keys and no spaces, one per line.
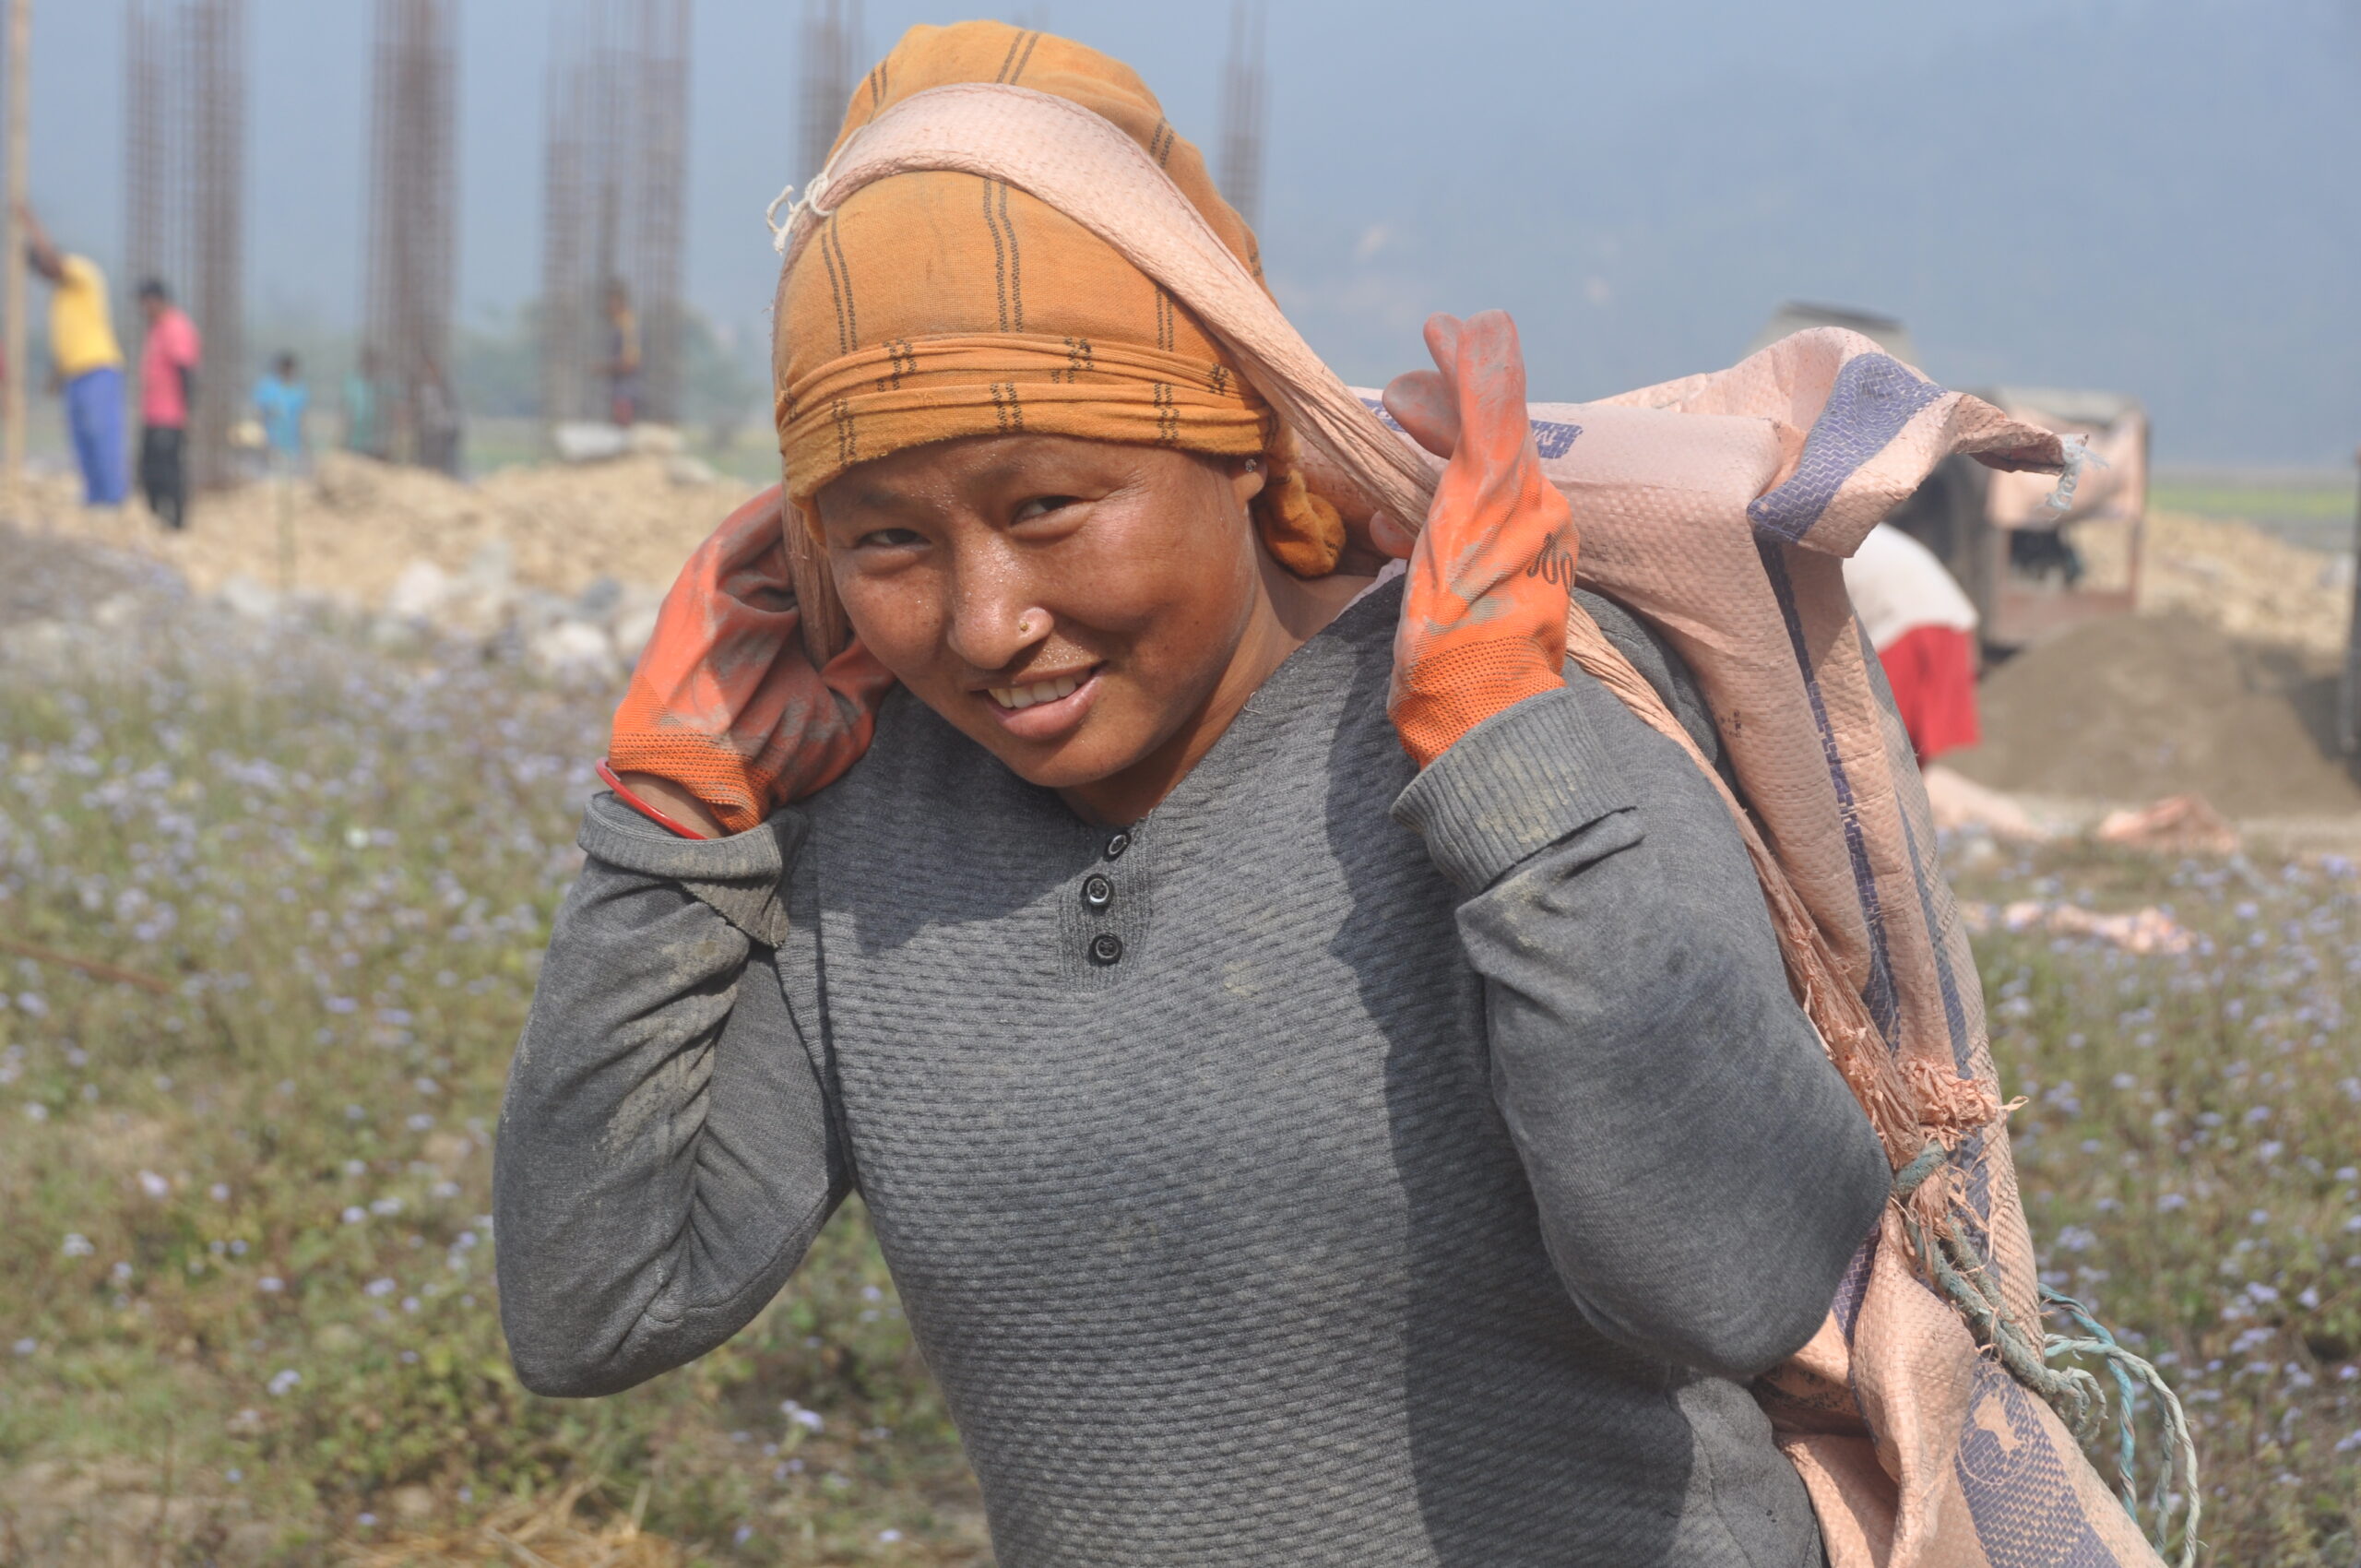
{"x":2251,"y":585}
{"x":569,"y":558}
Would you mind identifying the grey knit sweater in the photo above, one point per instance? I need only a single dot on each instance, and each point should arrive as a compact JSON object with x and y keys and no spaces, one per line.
{"x":1343,"y":1165}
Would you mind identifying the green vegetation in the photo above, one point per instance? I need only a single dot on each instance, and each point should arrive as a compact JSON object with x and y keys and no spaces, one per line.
{"x":247,"y":1296}
{"x":2307,"y":508}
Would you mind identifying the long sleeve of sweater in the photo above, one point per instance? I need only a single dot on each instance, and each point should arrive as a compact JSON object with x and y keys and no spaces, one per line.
{"x":666,"y":1149}
{"x":1701,"y":1172}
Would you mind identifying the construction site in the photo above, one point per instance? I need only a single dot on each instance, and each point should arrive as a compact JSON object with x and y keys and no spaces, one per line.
{"x":289,"y":788}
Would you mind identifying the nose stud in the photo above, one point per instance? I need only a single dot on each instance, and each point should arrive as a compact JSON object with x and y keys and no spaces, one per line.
{"x":1030,"y":620}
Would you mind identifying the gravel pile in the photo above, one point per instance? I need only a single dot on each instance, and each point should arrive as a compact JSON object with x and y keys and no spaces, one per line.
{"x":564,"y":562}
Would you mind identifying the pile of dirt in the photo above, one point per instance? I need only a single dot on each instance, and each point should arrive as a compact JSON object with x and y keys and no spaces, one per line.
{"x":2142,"y":705}
{"x":2249,"y":583}
{"x":349,"y":529}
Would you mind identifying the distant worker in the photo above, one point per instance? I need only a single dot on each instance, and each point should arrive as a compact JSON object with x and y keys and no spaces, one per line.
{"x":280,"y":404}
{"x":364,"y":406}
{"x":88,"y":364}
{"x":168,"y":364}
{"x":442,"y":426}
{"x":1924,"y":630}
{"x":621,"y":368}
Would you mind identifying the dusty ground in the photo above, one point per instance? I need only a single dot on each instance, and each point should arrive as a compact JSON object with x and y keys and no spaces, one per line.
{"x":354,"y":524}
{"x":349,"y":529}
{"x":2224,"y":685}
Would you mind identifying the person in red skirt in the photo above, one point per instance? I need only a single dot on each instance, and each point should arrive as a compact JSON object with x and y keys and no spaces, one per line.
{"x":1924,"y":630}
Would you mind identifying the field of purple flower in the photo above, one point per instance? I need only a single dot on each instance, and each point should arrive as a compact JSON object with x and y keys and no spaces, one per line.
{"x":272,"y":900}
{"x":2190,"y":1164}
{"x":246,"y":1299}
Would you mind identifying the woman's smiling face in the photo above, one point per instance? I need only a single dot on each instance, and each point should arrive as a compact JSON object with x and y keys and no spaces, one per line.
{"x":1078,"y":608}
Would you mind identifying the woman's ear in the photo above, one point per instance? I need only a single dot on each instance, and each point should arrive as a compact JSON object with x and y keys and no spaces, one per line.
{"x":1245,"y":480}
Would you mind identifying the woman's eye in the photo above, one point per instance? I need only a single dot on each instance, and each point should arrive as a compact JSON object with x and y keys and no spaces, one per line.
{"x":1041,"y":507}
{"x":889,"y":538}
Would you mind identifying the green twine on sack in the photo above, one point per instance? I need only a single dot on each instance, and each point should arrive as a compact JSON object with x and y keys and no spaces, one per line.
{"x":1964,"y":1276}
{"x":2124,"y":1366}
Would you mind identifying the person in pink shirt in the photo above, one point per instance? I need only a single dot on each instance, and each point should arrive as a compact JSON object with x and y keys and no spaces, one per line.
{"x":167,"y":386}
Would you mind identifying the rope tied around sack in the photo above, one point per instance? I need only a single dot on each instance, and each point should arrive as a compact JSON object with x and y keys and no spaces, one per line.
{"x":1965,"y":1279}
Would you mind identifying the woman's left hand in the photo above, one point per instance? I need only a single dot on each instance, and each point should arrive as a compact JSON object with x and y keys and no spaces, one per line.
{"x":1484,"y":614}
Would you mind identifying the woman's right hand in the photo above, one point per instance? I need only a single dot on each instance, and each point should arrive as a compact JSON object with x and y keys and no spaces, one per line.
{"x":725,"y":712}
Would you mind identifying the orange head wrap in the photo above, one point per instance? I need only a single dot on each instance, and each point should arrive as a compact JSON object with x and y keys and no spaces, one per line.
{"x":937,"y":304}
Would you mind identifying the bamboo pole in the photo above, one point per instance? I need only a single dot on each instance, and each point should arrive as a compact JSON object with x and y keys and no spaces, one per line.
{"x":13,"y":336}
{"x":2348,"y":703}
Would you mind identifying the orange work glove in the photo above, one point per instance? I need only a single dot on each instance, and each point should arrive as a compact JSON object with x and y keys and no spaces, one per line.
{"x":1484,"y":610}
{"x":725,"y":702}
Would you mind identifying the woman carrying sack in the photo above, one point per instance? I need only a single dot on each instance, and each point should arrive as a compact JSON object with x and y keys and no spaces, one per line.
{"x":1285,"y":1027}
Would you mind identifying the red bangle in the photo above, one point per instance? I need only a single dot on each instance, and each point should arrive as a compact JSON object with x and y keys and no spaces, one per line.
{"x":622,"y":793}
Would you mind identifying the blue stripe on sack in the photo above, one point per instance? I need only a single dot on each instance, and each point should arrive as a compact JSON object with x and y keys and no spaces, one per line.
{"x":1552,"y":438}
{"x":1921,"y":864}
{"x":1874,"y":396}
{"x":1954,"y":1015}
{"x":2020,"y":1497}
{"x":1878,"y":996}
{"x":1973,"y":1158}
{"x":1854,"y":1285}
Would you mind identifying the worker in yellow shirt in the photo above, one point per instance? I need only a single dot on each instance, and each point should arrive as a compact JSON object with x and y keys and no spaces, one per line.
{"x":88,"y":364}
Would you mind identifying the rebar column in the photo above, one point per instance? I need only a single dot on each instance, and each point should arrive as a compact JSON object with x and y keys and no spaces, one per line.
{"x":612,"y":200}
{"x":831,"y":44}
{"x":214,"y":70}
{"x":18,"y":180}
{"x":663,"y":119}
{"x":148,"y":104}
{"x":563,"y":178}
{"x":412,"y":244}
{"x":1242,"y":111}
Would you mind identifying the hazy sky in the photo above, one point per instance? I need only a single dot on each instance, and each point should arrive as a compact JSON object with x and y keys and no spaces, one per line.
{"x":2154,"y":196}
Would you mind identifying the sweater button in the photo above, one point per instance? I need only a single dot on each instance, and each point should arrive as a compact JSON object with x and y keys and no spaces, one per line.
{"x":1105,"y":948}
{"x":1097,"y":892}
{"x":1117,"y":845}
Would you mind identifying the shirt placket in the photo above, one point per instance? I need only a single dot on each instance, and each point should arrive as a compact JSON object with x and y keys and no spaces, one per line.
{"x":1104,"y":920}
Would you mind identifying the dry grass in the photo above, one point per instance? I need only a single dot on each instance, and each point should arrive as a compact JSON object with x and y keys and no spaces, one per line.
{"x":551,"y":1534}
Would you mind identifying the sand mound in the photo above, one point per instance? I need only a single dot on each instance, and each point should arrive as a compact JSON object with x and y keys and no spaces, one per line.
{"x":355,"y":523}
{"x":2142,"y":705}
{"x":2249,"y":583}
